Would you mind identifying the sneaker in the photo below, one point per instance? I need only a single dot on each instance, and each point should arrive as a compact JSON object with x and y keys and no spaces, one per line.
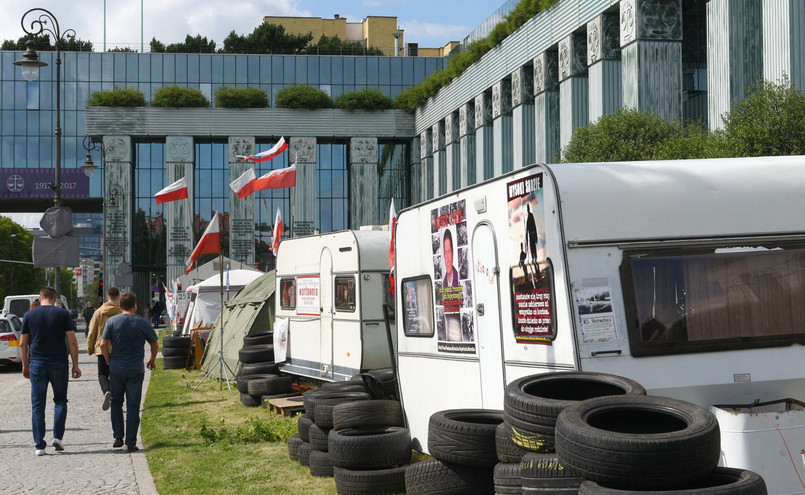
{"x":132,"y":448}
{"x":57,"y":445}
{"x":40,"y":452}
{"x":107,"y":397}
{"x":118,"y":443}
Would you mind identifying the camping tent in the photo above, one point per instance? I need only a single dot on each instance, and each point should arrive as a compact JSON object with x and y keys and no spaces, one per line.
{"x":206,"y":297}
{"x":251,"y":311}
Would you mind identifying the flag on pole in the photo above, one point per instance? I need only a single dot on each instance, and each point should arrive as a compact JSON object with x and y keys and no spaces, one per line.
{"x":174,"y":192}
{"x":277,"y":179}
{"x":210,"y":242}
{"x":278,"y":229}
{"x":392,"y":228}
{"x":244,"y":185}
{"x":267,"y":155}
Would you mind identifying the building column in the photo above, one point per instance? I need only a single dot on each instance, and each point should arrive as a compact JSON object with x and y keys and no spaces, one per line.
{"x":484,"y":138}
{"x":241,"y":211}
{"x":604,"y":61}
{"x":523,"y":116}
{"x":546,"y":106}
{"x":439,"y":159}
{"x":466,"y":133}
{"x":302,"y":150}
{"x":415,"y":171}
{"x":783,"y":41}
{"x":452,"y":152}
{"x":651,"y":56}
{"x":502,"y":126}
{"x":179,"y":151}
{"x":734,"y":54}
{"x":425,"y":154}
{"x":574,"y":92}
{"x":363,"y":182}
{"x":118,"y":182}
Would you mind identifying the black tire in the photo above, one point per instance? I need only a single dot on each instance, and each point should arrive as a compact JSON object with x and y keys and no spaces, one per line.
{"x":258,"y":339}
{"x":256,"y":354}
{"x":175,"y":362}
{"x":294,"y":441}
{"x":266,"y":368}
{"x":324,"y":410}
{"x":540,"y":398}
{"x":343,"y":386}
{"x":722,"y":481}
{"x":243,"y":381}
{"x":314,"y":397}
{"x":464,"y":436}
{"x":320,"y":464}
{"x":507,"y":450}
{"x":506,"y":477}
{"x":175,"y":352}
{"x":367,"y":413}
{"x":641,"y":442}
{"x":381,"y":383}
{"x":434,"y":477}
{"x":544,"y":473}
{"x":370,"y":448}
{"x":251,"y":400}
{"x":269,"y":384}
{"x":530,"y":436}
{"x":303,"y":453}
{"x":304,"y":427}
{"x":318,"y":438}
{"x":373,"y":482}
{"x":179,"y":342}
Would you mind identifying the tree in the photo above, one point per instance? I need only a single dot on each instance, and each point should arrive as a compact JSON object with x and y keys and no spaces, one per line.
{"x":157,"y":46}
{"x":15,"y":245}
{"x":333,"y":45}
{"x":43,"y":44}
{"x":266,"y":38}
{"x":192,"y":44}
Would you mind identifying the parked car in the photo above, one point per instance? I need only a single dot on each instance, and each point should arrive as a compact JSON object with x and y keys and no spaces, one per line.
{"x":10,"y":328}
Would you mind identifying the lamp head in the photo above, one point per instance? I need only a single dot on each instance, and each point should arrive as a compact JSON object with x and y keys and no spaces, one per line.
{"x":89,"y":166}
{"x":30,"y":62}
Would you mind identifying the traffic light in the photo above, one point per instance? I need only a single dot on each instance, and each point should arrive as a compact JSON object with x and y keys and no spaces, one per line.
{"x":100,"y":285}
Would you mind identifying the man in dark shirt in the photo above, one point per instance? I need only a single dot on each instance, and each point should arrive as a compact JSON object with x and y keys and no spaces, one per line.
{"x":127,"y":334}
{"x":47,"y":332}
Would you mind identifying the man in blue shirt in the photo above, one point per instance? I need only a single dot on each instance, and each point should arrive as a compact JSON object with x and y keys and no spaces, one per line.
{"x":126,"y":335}
{"x":47,"y":333}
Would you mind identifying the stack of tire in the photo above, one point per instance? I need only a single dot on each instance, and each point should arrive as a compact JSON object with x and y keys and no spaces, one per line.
{"x":259,"y":375}
{"x":176,"y":352}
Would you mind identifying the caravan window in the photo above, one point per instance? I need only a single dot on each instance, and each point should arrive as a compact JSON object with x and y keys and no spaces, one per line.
{"x":726,"y":298}
{"x":345,"y":293}
{"x":417,"y":306}
{"x":288,"y":293}
{"x":388,"y":297}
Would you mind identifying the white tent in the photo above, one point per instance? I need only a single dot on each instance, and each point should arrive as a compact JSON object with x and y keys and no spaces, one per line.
{"x":205,"y":305}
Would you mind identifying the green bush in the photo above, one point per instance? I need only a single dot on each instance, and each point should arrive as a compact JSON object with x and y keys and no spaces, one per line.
{"x":227,"y":97}
{"x":118,"y":97}
{"x":367,"y":99}
{"x":178,"y":97}
{"x":304,"y":98}
{"x":273,"y":429}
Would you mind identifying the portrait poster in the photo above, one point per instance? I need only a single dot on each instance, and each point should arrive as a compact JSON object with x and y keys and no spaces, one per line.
{"x":451,"y":278}
{"x":530,"y":268}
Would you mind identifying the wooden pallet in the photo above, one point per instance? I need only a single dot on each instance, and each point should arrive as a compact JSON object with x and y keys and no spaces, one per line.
{"x":286,"y":406}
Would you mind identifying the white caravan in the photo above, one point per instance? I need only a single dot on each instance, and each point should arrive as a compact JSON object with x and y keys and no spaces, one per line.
{"x":331,"y":289}
{"x":686,"y":276}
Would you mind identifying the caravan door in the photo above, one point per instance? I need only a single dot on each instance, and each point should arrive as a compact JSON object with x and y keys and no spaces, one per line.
{"x":487,"y":310}
{"x":327,"y":312}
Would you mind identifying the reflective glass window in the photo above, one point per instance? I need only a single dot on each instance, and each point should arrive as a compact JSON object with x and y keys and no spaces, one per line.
{"x":241,"y":68}
{"x":277,"y":69}
{"x":313,"y":70}
{"x":205,"y":68}
{"x":253,"y":69}
{"x":144,"y":71}
{"x":33,"y":96}
{"x":181,"y":68}
{"x":372,"y":71}
{"x":349,"y":70}
{"x":217,"y":72}
{"x":301,"y":70}
{"x":289,"y":70}
{"x":132,"y":66}
{"x":169,"y":69}
{"x":156,"y":67}
{"x":384,"y":69}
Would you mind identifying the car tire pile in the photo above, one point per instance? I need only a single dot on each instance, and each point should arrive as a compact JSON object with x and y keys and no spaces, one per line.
{"x":176,"y":352}
{"x":259,"y":375}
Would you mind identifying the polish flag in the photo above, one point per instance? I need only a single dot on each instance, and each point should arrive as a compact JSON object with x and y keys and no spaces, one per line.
{"x":276,"y":179}
{"x":267,"y":155}
{"x":210,"y":242}
{"x":392,"y":228}
{"x":174,"y":192}
{"x":278,"y":229}
{"x":244,"y":185}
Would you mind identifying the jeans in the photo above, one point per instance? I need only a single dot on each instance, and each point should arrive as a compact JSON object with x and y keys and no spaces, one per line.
{"x":103,"y":373}
{"x":130,"y":384}
{"x":55,"y":373}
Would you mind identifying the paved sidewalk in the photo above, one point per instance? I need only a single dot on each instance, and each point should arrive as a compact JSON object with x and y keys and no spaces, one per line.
{"x":88,"y":465}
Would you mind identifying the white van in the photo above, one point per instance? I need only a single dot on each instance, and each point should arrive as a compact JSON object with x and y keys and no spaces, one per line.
{"x":19,"y":304}
{"x":331,"y":289}
{"x":686,"y":276}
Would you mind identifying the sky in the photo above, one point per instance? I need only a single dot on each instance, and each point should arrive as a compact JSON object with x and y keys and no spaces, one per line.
{"x":425,"y":22}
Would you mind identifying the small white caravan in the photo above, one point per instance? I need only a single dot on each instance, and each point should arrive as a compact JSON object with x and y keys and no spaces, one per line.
{"x":686,"y":276}
{"x":331,"y":289}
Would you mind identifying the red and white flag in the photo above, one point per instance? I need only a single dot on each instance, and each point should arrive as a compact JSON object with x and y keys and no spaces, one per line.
{"x":277,"y":179}
{"x":174,"y":192}
{"x":278,"y":229}
{"x":210,"y":242}
{"x":244,"y":185}
{"x":392,"y":228}
{"x":267,"y":155}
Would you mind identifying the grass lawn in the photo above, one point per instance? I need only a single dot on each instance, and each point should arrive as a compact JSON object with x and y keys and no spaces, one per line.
{"x":208,"y":442}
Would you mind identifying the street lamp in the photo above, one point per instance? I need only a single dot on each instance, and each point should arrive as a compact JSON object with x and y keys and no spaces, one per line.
{"x":90,"y":146}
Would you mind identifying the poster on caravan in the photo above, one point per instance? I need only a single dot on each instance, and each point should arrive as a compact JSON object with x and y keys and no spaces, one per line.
{"x":451,"y":278}
{"x":530,"y":270}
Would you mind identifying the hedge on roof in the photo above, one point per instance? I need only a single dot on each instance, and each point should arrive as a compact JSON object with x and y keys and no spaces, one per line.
{"x":367,"y":99}
{"x":118,"y":97}
{"x":179,"y":97}
{"x":226,"y":97}
{"x":303,"y":97}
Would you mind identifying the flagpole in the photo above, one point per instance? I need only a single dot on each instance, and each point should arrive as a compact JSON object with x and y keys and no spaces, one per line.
{"x":293,"y":196}
{"x":221,"y":337}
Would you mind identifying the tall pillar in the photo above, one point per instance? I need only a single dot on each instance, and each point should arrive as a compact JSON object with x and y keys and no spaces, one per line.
{"x":179,"y":151}
{"x":305,"y":207}
{"x":416,"y":171}
{"x":546,"y":106}
{"x":783,"y":41}
{"x":574,"y":91}
{"x":604,"y":61}
{"x":241,"y":211}
{"x":439,"y":159}
{"x":118,"y":182}
{"x":466,"y":133}
{"x":426,"y":156}
{"x":502,"y":126}
{"x":363,"y":182}
{"x":484,"y":138}
{"x":452,"y":152}
{"x":523,"y":116}
{"x":651,"y":56}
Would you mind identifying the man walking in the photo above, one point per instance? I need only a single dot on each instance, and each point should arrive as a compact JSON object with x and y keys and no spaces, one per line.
{"x":107,"y":310}
{"x":127,"y":334}
{"x":87,"y":314}
{"x":48,"y":333}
